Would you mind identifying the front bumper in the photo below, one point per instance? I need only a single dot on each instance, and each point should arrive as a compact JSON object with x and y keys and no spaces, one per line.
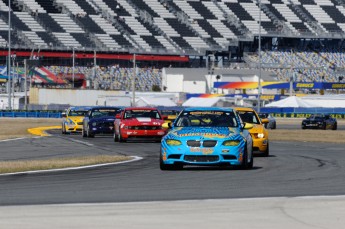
{"x":72,"y":128}
{"x":232,"y":155}
{"x":260,"y":144}
{"x":155,"y":134}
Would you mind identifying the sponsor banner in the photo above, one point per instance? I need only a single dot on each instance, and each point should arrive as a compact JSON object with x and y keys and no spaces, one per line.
{"x":244,"y":96}
{"x":279,"y":85}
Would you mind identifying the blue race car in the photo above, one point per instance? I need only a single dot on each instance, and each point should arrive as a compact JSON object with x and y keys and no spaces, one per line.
{"x":207,"y":136}
{"x":99,"y":120}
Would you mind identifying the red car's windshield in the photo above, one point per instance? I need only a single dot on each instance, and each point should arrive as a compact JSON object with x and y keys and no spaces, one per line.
{"x":141,"y":114}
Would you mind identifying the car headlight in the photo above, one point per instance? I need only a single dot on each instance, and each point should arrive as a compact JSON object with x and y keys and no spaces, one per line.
{"x":173,"y":142}
{"x":231,"y":143}
{"x":94,"y":124}
{"x":261,"y":135}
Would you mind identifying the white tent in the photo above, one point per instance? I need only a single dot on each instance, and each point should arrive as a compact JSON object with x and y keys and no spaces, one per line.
{"x":201,"y":102}
{"x":150,"y":101}
{"x":292,"y":101}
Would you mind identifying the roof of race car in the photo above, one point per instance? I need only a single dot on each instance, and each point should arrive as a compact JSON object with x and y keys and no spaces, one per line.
{"x":140,"y":108}
{"x":104,"y":107}
{"x":244,"y":109}
{"x":80,"y":108}
{"x":208,"y":109}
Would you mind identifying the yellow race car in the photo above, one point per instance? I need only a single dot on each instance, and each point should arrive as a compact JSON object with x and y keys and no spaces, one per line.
{"x":259,"y":133}
{"x":72,"y":119}
{"x":169,"y":115}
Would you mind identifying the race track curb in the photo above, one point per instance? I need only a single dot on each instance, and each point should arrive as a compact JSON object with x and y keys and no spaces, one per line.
{"x":41,"y":131}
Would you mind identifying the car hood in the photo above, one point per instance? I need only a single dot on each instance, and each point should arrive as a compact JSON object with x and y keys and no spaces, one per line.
{"x":142,"y":121}
{"x":203,"y":132}
{"x":257,"y":129}
{"x":75,"y":118}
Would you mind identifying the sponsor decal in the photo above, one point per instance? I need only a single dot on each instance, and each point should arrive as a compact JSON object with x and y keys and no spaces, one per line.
{"x":267,"y":97}
{"x":205,"y":132}
{"x":143,"y":119}
{"x":202,"y":150}
{"x":305,"y":85}
{"x":338,"y":85}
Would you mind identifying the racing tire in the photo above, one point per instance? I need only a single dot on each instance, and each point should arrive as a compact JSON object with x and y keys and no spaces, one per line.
{"x":116,"y":138}
{"x":245,"y":164}
{"x":267,"y":151}
{"x":83,"y":133}
{"x":335,"y":126}
{"x":121,"y":140}
{"x":274,"y":126}
{"x":63,"y":130}
{"x":88,"y":133}
{"x":324,"y":126}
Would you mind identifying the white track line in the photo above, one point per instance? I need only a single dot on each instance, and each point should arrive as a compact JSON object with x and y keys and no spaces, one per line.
{"x":135,"y":158}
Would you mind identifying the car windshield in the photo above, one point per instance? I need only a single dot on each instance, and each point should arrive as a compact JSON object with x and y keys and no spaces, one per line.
{"x":77,"y":113}
{"x":263,"y":115}
{"x":207,"y":119}
{"x":316,"y":117}
{"x":142,"y":114}
{"x":170,"y":112}
{"x":104,"y":112}
{"x":249,"y":117}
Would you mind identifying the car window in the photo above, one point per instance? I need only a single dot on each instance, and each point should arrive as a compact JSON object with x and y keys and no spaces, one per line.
{"x":142,"y":114}
{"x":207,"y":119}
{"x":76,"y":113}
{"x":249,"y":117}
{"x":104,"y":112}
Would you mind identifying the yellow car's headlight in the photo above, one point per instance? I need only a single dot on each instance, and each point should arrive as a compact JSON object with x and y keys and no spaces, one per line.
{"x":173,"y":142}
{"x":231,"y":143}
{"x":261,"y":135}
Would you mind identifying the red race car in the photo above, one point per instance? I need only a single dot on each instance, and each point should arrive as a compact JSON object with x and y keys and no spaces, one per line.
{"x":139,"y":123}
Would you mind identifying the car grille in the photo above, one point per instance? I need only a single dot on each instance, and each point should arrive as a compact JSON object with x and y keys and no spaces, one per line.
{"x":80,"y":123}
{"x":105,"y":124}
{"x":209,"y":143}
{"x":201,"y":158}
{"x":206,"y":143}
{"x":144,"y":127}
{"x":193,"y":143}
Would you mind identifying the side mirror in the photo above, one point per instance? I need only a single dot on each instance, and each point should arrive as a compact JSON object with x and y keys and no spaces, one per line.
{"x":164,"y":117}
{"x":248,"y":126}
{"x":118,"y":116}
{"x":265,"y":120}
{"x":63,"y":114}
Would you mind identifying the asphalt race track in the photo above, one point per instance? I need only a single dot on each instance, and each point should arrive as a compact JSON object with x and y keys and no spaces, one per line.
{"x":293,"y":169}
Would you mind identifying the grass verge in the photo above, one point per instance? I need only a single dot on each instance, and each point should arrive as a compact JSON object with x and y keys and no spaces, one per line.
{"x":57,"y":163}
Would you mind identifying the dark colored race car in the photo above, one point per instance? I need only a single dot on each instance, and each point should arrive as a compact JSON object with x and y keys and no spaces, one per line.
{"x":320,"y":121}
{"x":99,"y":120}
{"x":272,"y":123}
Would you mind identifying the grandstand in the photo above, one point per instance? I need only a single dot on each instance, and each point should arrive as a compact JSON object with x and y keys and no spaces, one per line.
{"x":302,"y":39}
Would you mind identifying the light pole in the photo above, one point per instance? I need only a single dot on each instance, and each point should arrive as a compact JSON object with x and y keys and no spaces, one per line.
{"x":133,"y":81}
{"x":13,"y":67}
{"x":73,"y":63}
{"x":259,"y":81}
{"x":9,"y":57}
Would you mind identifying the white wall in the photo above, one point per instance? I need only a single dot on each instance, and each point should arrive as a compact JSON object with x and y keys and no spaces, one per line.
{"x":45,"y":96}
{"x":173,"y":83}
{"x":194,"y":86}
